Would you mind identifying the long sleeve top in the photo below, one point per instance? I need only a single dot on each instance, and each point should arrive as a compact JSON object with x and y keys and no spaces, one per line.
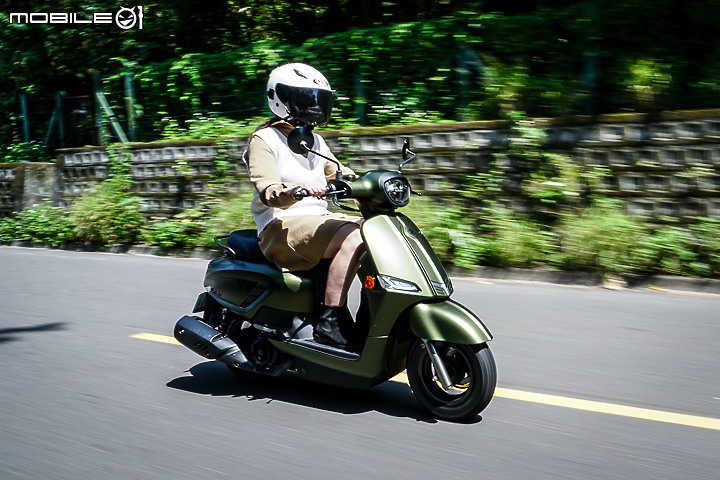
{"x":275,"y":172}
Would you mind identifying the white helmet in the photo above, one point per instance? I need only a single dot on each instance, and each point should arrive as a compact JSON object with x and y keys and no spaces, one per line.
{"x":299,"y":92}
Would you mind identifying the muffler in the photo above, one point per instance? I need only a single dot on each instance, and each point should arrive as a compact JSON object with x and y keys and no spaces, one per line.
{"x":207,"y":342}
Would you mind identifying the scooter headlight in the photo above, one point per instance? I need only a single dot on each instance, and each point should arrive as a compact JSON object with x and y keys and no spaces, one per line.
{"x":391,"y":283}
{"x":397,"y":191}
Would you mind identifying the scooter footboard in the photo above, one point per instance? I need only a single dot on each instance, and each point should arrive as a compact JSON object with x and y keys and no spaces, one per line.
{"x":447,"y":321}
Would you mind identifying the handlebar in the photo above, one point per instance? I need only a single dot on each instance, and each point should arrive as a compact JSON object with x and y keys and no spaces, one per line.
{"x":301,"y":193}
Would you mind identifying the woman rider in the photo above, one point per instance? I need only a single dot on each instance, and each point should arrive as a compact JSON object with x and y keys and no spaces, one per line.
{"x":295,"y":234}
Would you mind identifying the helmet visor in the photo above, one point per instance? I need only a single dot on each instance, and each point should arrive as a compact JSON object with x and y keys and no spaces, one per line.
{"x":311,"y":106}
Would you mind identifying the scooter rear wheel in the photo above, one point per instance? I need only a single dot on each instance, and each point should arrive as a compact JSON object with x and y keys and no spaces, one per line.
{"x":471,"y":369}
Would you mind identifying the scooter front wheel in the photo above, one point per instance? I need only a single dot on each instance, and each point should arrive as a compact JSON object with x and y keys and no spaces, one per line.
{"x":472,"y":373}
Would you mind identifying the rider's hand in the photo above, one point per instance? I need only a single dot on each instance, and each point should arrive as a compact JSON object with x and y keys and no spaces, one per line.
{"x":315,"y":190}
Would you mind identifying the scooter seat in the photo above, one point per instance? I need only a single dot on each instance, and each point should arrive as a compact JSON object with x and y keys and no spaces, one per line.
{"x":246,"y":246}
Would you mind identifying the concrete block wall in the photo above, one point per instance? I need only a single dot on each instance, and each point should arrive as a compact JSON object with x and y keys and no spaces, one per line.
{"x":8,"y":189}
{"x":25,"y":184}
{"x":171,"y":177}
{"x":651,"y":160}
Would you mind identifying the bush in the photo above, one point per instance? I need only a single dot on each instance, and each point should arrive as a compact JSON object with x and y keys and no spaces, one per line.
{"x":40,"y":223}
{"x":202,"y":127}
{"x":25,"y":152}
{"x":184,"y":230}
{"x":470,"y":248}
{"x":496,"y":238}
{"x":671,"y":250}
{"x":231,"y":214}
{"x":602,"y":239}
{"x":517,"y":241}
{"x":707,"y":233}
{"x":169,"y":234}
{"x":109,"y":215}
{"x":8,"y":229}
{"x":198,"y":227}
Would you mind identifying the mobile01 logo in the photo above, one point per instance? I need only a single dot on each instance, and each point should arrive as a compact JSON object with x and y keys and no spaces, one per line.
{"x":125,"y":18}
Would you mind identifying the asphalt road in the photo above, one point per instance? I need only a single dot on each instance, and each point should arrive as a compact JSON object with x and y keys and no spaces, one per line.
{"x":81,"y":398}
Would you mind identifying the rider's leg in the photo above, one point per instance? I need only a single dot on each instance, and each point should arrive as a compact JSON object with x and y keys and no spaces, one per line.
{"x":345,"y":249}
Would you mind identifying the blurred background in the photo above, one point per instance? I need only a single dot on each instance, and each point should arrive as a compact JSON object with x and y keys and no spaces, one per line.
{"x":421,"y":61}
{"x":615,"y":196}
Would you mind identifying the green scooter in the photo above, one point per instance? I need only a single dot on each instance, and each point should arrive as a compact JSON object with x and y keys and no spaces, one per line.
{"x":259,"y":320}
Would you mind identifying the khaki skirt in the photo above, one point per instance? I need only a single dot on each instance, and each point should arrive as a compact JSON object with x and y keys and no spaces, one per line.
{"x":298,"y":243}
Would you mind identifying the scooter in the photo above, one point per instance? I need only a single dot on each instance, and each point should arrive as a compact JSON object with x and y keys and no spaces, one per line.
{"x":259,"y":320}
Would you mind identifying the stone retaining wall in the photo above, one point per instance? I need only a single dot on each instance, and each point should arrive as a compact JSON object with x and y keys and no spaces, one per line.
{"x":649,"y":158}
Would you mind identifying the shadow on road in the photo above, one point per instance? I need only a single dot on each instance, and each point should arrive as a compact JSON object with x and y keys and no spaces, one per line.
{"x":10,"y":334}
{"x":390,"y":398}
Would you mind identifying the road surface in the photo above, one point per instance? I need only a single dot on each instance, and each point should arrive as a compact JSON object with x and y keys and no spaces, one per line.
{"x":593,"y":384}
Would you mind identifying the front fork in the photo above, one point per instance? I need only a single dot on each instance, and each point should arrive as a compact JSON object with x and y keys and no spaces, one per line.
{"x":440,"y":371}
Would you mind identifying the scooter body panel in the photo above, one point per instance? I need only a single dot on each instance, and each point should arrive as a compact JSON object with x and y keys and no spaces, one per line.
{"x":244,"y":287}
{"x":368,"y":370}
{"x":386,"y":241}
{"x":396,"y":248}
{"x":447,"y":321}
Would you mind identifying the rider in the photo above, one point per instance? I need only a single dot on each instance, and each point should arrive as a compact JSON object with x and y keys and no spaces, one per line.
{"x":296,"y":234}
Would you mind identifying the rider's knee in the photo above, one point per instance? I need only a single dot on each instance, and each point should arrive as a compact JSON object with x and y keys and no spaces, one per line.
{"x":354,"y":239}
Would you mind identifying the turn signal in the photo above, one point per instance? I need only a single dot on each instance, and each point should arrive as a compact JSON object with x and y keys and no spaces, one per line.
{"x":369,"y":282}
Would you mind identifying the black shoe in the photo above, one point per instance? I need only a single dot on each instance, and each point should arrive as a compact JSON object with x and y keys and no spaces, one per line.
{"x":327,"y":329}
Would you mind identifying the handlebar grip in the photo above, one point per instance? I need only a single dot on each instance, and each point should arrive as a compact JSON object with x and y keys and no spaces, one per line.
{"x":300,"y":193}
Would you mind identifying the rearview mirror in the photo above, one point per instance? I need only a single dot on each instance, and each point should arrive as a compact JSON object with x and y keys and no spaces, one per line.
{"x":300,"y":140}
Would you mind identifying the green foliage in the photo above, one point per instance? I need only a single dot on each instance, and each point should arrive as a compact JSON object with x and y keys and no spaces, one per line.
{"x":231,"y":214}
{"x":467,"y":238}
{"x":390,"y":62}
{"x":25,"y":152}
{"x":500,"y":239}
{"x":109,"y":215}
{"x":202,"y":127}
{"x":599,"y":238}
{"x":196,"y":228}
{"x":547,"y":183}
{"x":182,"y":231}
{"x":648,"y":80}
{"x":374,"y":83}
{"x":672,"y":250}
{"x":707,"y":235}
{"x":603,"y":239}
{"x":471,"y":248}
{"x":41,"y":223}
{"x":8,"y":230}
{"x":517,"y":241}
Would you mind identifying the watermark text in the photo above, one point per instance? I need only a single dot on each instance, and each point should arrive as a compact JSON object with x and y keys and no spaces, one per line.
{"x":124,"y":18}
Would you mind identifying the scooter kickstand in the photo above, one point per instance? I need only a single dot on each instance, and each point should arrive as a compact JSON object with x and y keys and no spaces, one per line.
{"x":441,"y":373}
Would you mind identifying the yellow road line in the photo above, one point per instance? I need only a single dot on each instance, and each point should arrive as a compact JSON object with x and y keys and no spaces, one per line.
{"x":156,"y":338}
{"x":553,"y":400}
{"x":600,"y":407}
{"x":611,"y":409}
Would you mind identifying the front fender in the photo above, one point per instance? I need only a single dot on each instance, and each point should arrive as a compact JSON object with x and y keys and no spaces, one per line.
{"x":447,"y":321}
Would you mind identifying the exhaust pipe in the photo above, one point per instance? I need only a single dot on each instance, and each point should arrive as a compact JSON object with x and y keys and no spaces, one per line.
{"x":207,"y":342}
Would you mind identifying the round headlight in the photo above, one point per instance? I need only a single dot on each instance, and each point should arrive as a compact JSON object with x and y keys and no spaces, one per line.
{"x":397,"y":191}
